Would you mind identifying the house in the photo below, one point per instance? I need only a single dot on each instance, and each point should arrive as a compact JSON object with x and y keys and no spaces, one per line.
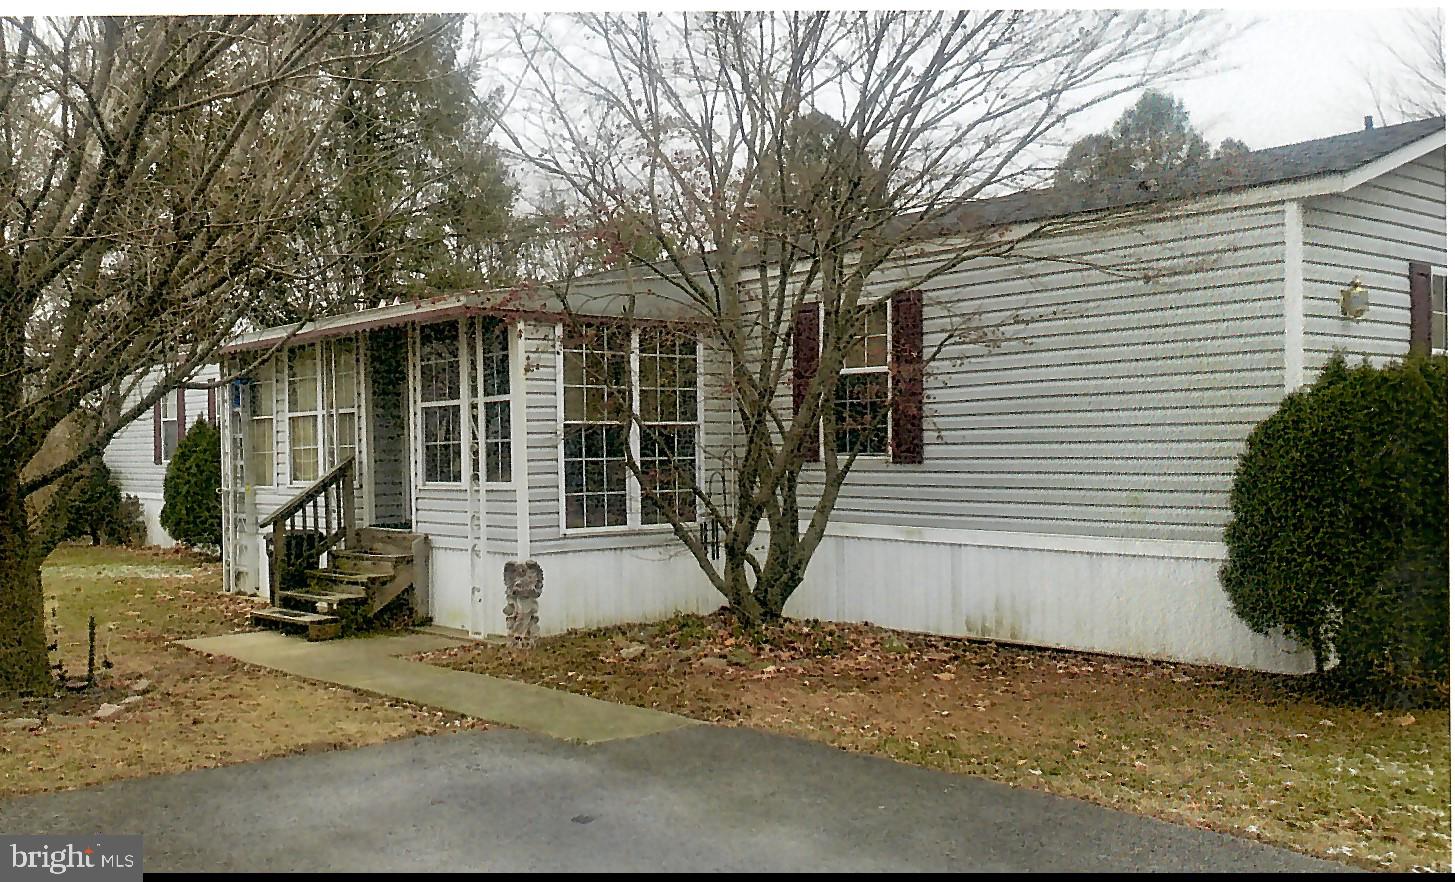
{"x":1068,"y":488}
{"x":140,"y":452}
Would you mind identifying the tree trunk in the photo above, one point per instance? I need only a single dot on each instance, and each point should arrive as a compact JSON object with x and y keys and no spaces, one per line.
{"x":782,"y":572}
{"x":24,"y":665}
{"x":741,"y":602}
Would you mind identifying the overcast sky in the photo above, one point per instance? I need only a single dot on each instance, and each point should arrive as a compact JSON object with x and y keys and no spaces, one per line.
{"x":1291,"y":76}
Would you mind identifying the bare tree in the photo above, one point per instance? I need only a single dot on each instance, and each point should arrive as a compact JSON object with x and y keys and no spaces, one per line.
{"x":1409,"y":82}
{"x":152,"y":169}
{"x":783,"y":162}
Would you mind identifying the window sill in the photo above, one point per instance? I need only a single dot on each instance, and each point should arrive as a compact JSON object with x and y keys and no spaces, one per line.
{"x":625,"y":529}
{"x":443,"y":485}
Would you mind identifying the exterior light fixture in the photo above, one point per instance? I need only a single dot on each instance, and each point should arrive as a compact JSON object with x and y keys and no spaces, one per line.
{"x":1354,"y":300}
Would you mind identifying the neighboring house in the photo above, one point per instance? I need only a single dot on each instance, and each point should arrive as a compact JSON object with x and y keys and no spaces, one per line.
{"x":138,"y":455}
{"x":1068,"y":488}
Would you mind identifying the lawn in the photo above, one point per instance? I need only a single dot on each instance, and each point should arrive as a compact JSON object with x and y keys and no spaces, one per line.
{"x":1209,"y":747}
{"x":199,"y":711}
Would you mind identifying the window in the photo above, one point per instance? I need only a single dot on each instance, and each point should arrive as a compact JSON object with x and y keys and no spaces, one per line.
{"x":667,"y":382}
{"x":303,"y":414}
{"x":171,"y":424}
{"x":595,"y":378}
{"x":340,"y":401}
{"x":490,"y":400}
{"x":440,"y":402}
{"x":861,"y":397}
{"x":1439,"y":314}
{"x":606,"y":370}
{"x":260,"y":462}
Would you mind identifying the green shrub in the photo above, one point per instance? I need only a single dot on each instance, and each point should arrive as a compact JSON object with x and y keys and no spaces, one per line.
{"x":191,"y":497}
{"x":1339,"y":530}
{"x":95,"y":509}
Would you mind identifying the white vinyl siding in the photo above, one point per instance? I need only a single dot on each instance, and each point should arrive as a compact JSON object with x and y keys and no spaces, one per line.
{"x":1099,"y":383}
{"x":1371,"y":233}
{"x":129,"y":455}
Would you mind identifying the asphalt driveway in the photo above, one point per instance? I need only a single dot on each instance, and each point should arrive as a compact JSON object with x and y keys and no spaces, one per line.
{"x":693,"y":799}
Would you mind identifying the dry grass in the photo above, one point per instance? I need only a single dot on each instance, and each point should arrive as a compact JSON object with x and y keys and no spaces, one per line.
{"x":1209,"y":747}
{"x":201,"y":711}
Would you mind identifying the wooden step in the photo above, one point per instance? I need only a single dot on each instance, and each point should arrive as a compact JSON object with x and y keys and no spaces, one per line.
{"x":381,"y":540}
{"x":312,"y":625}
{"x":323,"y":602}
{"x":339,"y":581}
{"x":351,"y":561}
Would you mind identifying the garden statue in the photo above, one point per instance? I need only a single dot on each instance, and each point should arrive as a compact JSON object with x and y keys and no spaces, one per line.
{"x":522,"y":602}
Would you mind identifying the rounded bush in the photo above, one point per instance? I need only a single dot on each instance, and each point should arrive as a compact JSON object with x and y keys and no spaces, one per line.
{"x":1339,"y":531}
{"x":191,"y":492}
{"x":96,"y":510}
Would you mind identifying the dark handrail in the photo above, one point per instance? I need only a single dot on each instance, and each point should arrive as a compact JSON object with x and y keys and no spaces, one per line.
{"x":308,"y":494}
{"x":333,"y":531}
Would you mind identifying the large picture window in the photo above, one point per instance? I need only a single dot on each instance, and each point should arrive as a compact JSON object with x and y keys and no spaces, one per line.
{"x":606,"y":371}
{"x":861,"y":397}
{"x":303,"y":414}
{"x":440,"y":403}
{"x":490,"y":400}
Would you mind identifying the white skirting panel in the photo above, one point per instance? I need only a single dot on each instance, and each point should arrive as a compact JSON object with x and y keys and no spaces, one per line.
{"x":594,"y":587}
{"x":1089,"y":593}
{"x":151,"y":513}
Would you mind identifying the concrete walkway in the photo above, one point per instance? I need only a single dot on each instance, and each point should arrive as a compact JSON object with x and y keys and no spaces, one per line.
{"x":372,"y":664}
{"x":693,"y":799}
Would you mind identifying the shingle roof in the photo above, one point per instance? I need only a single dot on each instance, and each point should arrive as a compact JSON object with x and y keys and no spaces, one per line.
{"x":1337,"y":154}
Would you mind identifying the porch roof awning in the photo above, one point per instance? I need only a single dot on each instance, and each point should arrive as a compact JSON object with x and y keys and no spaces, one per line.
{"x":604,"y":298}
{"x":427,"y":310}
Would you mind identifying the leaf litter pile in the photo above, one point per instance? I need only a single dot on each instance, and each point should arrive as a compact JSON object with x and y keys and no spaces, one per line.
{"x":1230,"y":750}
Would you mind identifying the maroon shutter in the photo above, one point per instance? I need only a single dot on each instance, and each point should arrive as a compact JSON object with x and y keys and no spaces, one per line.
{"x":181,"y":414}
{"x":1421,"y":313}
{"x":805,"y":366}
{"x":157,"y":433}
{"x":212,"y":405}
{"x":907,"y":369}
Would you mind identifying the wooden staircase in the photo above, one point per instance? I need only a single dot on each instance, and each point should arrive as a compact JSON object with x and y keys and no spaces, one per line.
{"x":358,"y":583}
{"x":368,"y":568}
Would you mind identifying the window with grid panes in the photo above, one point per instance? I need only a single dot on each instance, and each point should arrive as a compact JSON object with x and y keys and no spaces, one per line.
{"x":595,"y":385}
{"x":440,"y":401}
{"x":171,"y":430}
{"x":861,"y":397}
{"x":260,"y":461}
{"x":490,"y":400}
{"x":341,"y":401}
{"x":303,"y":414}
{"x":1439,"y":313}
{"x":667,"y":396}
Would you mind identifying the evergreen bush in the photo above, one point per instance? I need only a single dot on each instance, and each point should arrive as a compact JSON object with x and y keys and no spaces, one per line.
{"x":1339,"y":534}
{"x":191,"y":492}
